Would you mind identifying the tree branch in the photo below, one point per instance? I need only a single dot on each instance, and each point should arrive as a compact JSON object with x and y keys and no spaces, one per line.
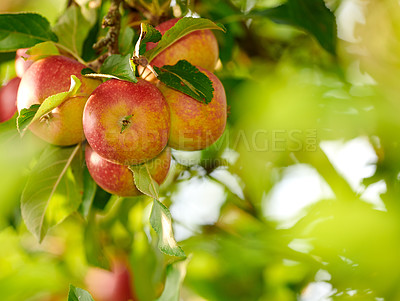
{"x":112,"y":20}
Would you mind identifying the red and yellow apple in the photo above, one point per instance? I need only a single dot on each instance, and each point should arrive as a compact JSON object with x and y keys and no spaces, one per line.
{"x":118,"y":179}
{"x":125,"y":122}
{"x":199,"y":48}
{"x":195,"y":125}
{"x":49,"y":76}
{"x":8,"y":99}
{"x":115,"y":285}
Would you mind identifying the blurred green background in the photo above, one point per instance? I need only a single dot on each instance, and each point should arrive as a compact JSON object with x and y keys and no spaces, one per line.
{"x":299,"y":200}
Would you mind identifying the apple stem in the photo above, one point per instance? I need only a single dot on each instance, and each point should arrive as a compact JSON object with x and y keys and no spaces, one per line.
{"x":126,"y":123}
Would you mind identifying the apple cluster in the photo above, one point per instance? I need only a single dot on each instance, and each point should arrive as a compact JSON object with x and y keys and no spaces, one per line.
{"x":125,"y":123}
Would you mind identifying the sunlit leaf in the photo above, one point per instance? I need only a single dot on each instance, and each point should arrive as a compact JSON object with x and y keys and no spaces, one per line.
{"x":48,"y":177}
{"x":25,"y":117}
{"x":175,"y":275}
{"x":160,"y":220}
{"x":143,"y":180}
{"x":42,"y":50}
{"x":47,"y":105}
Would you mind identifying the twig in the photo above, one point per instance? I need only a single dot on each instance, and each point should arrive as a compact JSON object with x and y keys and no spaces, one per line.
{"x":95,"y":65}
{"x":113,"y":21}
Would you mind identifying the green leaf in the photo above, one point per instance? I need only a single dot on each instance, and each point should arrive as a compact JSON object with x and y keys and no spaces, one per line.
{"x":25,"y":117}
{"x":50,"y":194}
{"x":160,"y":220}
{"x":312,"y":15}
{"x":118,"y":66}
{"x":42,"y":50}
{"x":88,"y":53}
{"x":142,"y":49}
{"x":50,"y":103}
{"x":94,"y":249}
{"x":101,"y":198}
{"x":72,"y":29}
{"x":147,"y":34}
{"x":150,"y":34}
{"x":23,"y":31}
{"x":182,"y":28}
{"x":126,"y":40}
{"x":78,"y":294}
{"x":89,"y":191}
{"x":143,"y":180}
{"x":55,"y":100}
{"x":77,"y":167}
{"x":186,"y":78}
{"x":86,"y":71}
{"x":175,"y":275}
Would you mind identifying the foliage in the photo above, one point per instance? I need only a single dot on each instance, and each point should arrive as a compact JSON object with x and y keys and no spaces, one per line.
{"x":298,"y":98}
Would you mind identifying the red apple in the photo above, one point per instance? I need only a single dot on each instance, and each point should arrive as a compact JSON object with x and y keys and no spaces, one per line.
{"x":195,"y":125}
{"x":21,"y":64}
{"x":118,"y":179}
{"x":115,"y":285}
{"x":127,"y":123}
{"x":52,"y":75}
{"x":199,"y":48}
{"x":8,"y":99}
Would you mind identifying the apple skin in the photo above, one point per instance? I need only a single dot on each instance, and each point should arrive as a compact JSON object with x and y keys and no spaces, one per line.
{"x":8,"y":99}
{"x":109,"y":106}
{"x":21,"y":65}
{"x":199,"y":48}
{"x":115,"y":285}
{"x":49,"y":76}
{"x":195,"y":125}
{"x":118,"y":179}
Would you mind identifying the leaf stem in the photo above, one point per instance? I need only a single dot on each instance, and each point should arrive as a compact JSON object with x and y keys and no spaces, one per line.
{"x":77,"y":57}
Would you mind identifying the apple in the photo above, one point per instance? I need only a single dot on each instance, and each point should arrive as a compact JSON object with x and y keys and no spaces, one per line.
{"x":21,"y":64}
{"x":115,"y":285}
{"x":52,"y":75}
{"x":8,"y":99}
{"x":195,"y":125}
{"x":125,"y":122}
{"x":199,"y":48}
{"x":118,"y":179}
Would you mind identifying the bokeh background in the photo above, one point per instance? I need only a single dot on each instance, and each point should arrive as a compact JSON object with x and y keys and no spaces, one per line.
{"x":300,"y":198}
